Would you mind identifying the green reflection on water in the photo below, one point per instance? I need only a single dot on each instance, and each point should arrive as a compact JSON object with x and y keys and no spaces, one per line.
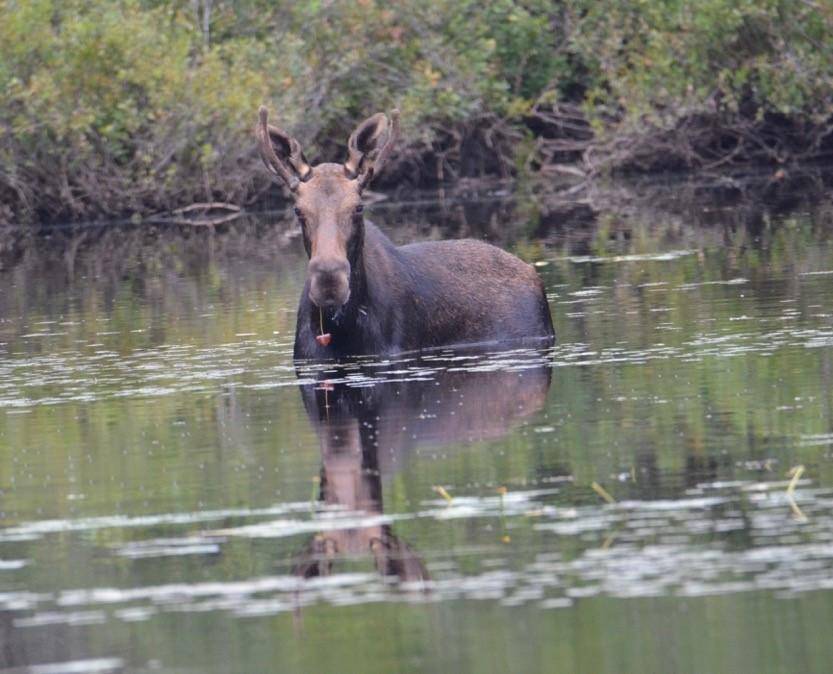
{"x":152,"y":377}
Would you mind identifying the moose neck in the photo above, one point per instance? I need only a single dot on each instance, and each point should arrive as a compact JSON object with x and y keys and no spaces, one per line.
{"x":357,"y":327}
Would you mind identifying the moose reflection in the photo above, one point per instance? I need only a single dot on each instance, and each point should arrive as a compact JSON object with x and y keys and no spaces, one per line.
{"x":368,"y":430}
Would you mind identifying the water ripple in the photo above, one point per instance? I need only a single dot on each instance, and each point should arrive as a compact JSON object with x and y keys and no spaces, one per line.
{"x":678,"y":547}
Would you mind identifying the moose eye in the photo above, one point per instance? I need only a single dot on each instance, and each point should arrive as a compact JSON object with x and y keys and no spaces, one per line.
{"x":359,"y":209}
{"x":298,"y":212}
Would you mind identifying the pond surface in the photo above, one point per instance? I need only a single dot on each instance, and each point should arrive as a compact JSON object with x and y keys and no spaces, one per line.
{"x":653,"y":494}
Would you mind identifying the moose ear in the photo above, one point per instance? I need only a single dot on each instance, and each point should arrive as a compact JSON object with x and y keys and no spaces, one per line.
{"x":281,"y":153}
{"x":369,"y":146}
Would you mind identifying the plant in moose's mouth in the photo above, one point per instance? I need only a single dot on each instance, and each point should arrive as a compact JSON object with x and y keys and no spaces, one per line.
{"x":324,"y":337}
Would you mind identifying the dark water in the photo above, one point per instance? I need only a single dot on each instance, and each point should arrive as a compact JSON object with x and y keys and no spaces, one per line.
{"x":653,"y":494}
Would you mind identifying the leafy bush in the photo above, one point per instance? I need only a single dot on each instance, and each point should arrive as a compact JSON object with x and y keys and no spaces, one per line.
{"x":745,"y":65}
{"x":116,"y":107}
{"x":120,"y":106}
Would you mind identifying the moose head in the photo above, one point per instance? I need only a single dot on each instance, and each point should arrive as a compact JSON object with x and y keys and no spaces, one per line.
{"x":328,"y":199}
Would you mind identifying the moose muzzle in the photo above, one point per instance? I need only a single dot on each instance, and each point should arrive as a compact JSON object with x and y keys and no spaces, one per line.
{"x":329,"y":286}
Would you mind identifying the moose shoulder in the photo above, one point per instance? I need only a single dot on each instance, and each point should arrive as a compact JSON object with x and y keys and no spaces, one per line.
{"x":363,"y":294}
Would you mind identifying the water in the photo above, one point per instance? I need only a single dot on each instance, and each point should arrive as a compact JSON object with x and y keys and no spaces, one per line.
{"x":176,"y":496}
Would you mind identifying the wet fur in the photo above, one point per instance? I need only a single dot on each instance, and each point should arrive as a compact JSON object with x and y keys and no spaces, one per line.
{"x":424,"y":295}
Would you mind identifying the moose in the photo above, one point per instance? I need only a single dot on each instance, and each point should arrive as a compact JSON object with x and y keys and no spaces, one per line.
{"x":363,"y":294}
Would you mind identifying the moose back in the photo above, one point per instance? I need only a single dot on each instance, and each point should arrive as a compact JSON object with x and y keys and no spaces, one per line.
{"x":363,"y":294}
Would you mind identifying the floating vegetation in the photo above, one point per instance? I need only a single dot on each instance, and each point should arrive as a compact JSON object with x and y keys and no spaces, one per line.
{"x":442,"y":492}
{"x":795,"y":475}
{"x":601,"y":491}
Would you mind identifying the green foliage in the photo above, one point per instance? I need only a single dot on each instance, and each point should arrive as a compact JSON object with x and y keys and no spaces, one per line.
{"x":113,"y":107}
{"x":110,"y":107}
{"x":134,"y":105}
{"x":667,"y":58}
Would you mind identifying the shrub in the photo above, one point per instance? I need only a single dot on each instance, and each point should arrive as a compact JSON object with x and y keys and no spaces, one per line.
{"x":119,"y":106}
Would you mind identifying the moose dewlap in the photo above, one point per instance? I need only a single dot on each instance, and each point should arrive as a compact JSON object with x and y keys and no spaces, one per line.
{"x":363,"y":294}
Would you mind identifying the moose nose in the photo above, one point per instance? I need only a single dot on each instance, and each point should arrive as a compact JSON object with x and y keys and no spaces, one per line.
{"x":329,"y":266}
{"x":329,"y":281}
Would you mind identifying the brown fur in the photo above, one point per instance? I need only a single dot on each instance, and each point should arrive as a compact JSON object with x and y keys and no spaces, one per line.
{"x":373,"y":297}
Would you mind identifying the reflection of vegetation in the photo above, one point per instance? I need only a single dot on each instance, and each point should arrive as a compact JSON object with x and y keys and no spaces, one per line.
{"x":695,"y":409}
{"x":655,"y":404}
{"x":134,"y":106}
